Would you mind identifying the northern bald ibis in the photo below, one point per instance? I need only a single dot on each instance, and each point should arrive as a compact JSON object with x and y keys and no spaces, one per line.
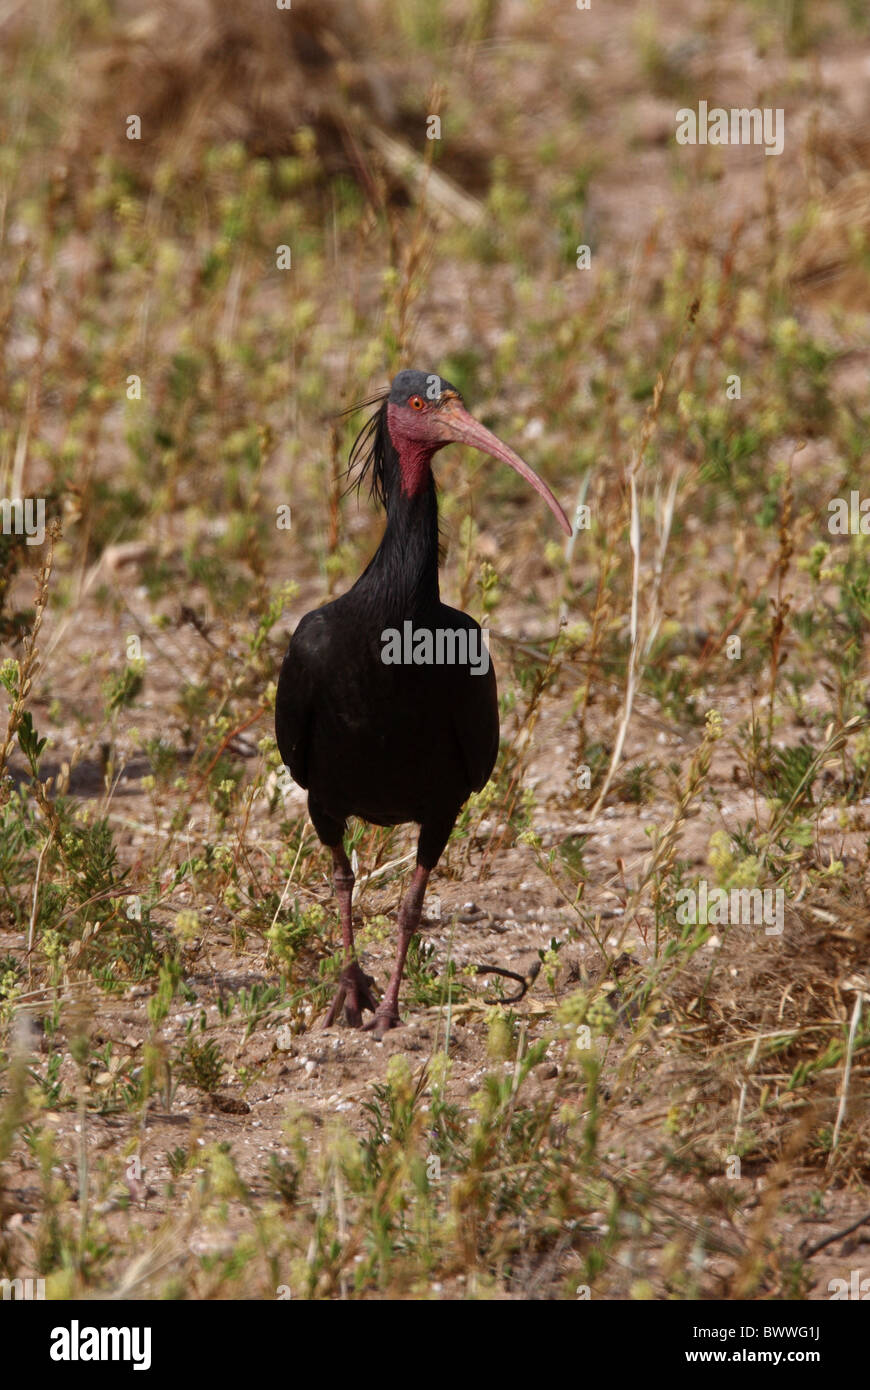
{"x":387,"y":706}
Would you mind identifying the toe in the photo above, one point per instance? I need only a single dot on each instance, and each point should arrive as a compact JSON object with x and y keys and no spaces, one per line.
{"x":382,"y":1023}
{"x":335,"y":1007}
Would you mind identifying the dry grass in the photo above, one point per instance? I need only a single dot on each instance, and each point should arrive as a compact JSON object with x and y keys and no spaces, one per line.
{"x":675,"y":1109}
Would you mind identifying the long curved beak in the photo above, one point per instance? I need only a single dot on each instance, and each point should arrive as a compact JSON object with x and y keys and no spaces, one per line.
{"x":459,"y":426}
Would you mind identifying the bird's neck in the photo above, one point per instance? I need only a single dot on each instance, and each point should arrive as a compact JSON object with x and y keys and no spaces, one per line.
{"x":404,"y":569}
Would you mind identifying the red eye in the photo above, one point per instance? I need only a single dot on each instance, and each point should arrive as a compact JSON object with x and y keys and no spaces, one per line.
{"x":415,"y":402}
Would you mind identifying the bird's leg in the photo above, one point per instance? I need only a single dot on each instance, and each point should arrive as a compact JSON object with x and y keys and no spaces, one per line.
{"x":387,"y":1012}
{"x":355,"y":987}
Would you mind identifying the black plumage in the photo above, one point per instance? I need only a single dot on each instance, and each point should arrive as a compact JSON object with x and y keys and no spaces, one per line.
{"x":393,"y":742}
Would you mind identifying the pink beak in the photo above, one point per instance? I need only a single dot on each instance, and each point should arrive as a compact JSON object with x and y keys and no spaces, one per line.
{"x":455,"y":422}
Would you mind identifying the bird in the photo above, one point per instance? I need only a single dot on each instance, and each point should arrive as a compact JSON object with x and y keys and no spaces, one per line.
{"x":386,"y":707}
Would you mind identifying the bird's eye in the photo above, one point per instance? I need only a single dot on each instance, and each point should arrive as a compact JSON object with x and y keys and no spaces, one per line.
{"x":416,"y":402}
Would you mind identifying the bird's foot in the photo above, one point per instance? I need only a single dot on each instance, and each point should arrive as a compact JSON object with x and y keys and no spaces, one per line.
{"x":355,"y":993}
{"x":383,"y":1021}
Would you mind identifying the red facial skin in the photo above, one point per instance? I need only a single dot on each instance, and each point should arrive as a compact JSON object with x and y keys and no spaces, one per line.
{"x":418,"y":434}
{"x":416,"y":441}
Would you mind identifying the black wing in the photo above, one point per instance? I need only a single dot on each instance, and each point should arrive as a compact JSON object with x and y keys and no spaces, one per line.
{"x":297,"y":697}
{"x":475,"y":715}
